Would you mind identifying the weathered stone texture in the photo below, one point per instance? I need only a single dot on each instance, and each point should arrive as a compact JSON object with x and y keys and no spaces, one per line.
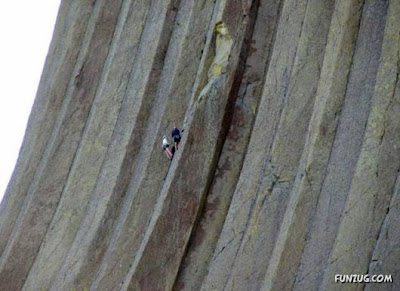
{"x":288,"y":168}
{"x":252,"y":187}
{"x":102,"y":211}
{"x":205,"y":237}
{"x":45,"y":190}
{"x":377,"y":167}
{"x":90,"y":155}
{"x":181,"y":64}
{"x":62,"y":55}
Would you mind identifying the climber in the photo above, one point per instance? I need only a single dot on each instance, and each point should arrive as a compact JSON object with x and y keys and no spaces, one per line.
{"x":165,"y":146}
{"x":176,"y":136}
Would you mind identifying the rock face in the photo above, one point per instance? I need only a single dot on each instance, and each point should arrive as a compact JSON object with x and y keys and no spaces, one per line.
{"x":288,"y":169}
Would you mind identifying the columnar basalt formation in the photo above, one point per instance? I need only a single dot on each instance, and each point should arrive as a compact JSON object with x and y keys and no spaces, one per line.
{"x":288,"y":169}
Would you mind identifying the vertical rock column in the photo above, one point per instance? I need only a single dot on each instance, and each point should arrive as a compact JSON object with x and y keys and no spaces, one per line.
{"x":351,"y":120}
{"x":173,"y":96}
{"x":91,"y":241}
{"x":58,"y":71}
{"x":377,"y":167}
{"x":46,"y":189}
{"x":92,"y":150}
{"x":204,"y":239}
{"x":259,"y":243}
{"x":157,"y":261}
{"x":256,"y":175}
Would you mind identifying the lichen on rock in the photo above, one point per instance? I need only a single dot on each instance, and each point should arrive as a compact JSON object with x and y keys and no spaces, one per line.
{"x":223,"y":46}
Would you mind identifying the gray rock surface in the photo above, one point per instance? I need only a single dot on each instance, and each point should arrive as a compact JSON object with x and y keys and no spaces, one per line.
{"x":288,"y":168}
